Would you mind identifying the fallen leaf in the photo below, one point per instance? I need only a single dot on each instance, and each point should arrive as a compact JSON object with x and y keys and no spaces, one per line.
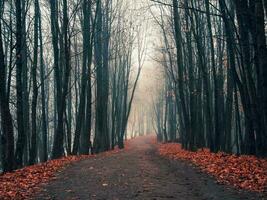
{"x":246,"y":172}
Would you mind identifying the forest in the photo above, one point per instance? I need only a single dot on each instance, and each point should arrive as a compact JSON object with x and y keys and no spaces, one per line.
{"x":214,"y":58}
{"x":67,"y":78}
{"x":69,"y":71}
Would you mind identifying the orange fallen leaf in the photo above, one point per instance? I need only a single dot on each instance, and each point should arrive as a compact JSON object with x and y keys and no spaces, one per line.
{"x":246,"y":172}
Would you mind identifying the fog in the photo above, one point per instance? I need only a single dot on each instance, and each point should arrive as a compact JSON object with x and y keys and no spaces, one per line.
{"x":151,"y":80}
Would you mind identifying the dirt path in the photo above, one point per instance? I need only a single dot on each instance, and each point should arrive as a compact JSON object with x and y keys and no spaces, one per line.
{"x":138,"y":173}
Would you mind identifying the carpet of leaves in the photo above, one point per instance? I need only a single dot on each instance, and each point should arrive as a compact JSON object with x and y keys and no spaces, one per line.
{"x":23,"y":183}
{"x":243,"y":172}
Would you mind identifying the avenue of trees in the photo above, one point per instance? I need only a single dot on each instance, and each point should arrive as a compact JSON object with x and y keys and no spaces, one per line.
{"x":214,"y":57}
{"x":67,"y":79}
{"x":69,"y":71}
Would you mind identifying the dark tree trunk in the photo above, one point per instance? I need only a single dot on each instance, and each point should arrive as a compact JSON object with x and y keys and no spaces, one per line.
{"x":180,"y":66}
{"x":61,"y":81}
{"x":86,"y":136}
{"x":7,"y":139}
{"x":101,"y":141}
{"x":33,"y":149}
{"x":19,"y":87}
{"x":43,"y":94}
{"x":80,"y":121}
{"x":58,"y":129}
{"x":261,"y":49}
{"x":217,"y":128}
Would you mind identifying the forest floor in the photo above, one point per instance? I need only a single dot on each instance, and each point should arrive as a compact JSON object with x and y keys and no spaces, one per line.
{"x":137,"y":173}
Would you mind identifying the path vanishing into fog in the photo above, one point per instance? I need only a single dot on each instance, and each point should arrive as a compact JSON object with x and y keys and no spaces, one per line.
{"x":136,"y":173}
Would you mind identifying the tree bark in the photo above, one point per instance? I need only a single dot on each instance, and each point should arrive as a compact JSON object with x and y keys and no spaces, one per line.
{"x":7,"y":139}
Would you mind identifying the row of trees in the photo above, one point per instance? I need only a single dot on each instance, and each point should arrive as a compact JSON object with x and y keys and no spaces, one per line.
{"x":67,"y":80}
{"x":214,"y":57}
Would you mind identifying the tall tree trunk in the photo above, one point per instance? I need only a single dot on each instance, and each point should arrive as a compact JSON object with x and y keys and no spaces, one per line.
{"x":81,"y":121}
{"x":101,"y":134}
{"x":43,"y":94}
{"x":62,"y":81}
{"x":86,"y":136}
{"x":7,"y":139}
{"x":262,"y":58}
{"x":19,"y":87}
{"x":217,"y":128}
{"x":198,"y":32}
{"x":180,"y":66}
{"x":33,"y":149}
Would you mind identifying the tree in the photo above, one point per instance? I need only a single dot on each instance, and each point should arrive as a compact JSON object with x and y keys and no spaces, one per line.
{"x":7,"y":137}
{"x":33,"y":149}
{"x":19,"y":86}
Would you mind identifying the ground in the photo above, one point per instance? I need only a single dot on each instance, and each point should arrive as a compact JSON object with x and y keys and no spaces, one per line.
{"x":137,"y":173}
